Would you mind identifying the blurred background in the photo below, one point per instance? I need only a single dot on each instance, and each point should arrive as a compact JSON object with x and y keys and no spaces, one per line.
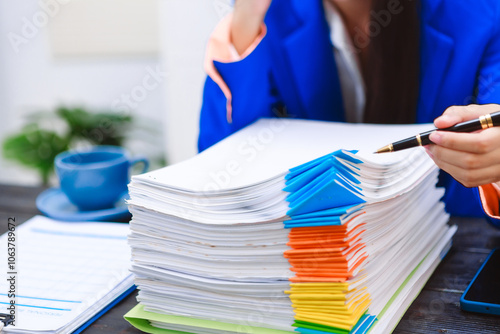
{"x":82,"y":72}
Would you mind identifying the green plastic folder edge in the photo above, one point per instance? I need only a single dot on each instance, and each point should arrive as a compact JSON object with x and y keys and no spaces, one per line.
{"x":140,"y":319}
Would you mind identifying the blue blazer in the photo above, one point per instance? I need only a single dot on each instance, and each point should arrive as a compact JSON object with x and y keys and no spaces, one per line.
{"x":293,"y":69}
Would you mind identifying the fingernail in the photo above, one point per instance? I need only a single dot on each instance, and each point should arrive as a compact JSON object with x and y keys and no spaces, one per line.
{"x":436,"y":137}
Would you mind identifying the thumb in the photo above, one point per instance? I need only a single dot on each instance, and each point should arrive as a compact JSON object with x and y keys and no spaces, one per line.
{"x":458,"y":114}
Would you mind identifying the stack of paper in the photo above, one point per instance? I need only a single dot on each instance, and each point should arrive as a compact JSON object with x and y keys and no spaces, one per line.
{"x":269,"y":231}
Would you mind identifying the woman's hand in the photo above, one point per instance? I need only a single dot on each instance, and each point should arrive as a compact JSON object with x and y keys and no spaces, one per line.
{"x":473,"y":159}
{"x":248,"y":16}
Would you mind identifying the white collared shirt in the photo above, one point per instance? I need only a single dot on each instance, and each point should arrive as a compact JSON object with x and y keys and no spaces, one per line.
{"x":349,"y":69}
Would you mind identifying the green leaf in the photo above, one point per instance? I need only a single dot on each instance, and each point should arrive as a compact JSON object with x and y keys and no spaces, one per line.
{"x":35,"y":148}
{"x":99,"y":128}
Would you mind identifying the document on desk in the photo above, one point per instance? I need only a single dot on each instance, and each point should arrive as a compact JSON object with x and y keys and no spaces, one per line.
{"x":62,"y":274}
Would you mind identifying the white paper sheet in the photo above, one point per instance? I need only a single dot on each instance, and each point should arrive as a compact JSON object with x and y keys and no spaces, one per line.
{"x":270,"y":147}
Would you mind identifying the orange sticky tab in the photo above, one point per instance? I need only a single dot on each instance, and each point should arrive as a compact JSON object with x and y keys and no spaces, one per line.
{"x":312,"y":267}
{"x":318,"y":261}
{"x":312,"y":251}
{"x":314,"y":243}
{"x":318,"y":272}
{"x":317,"y":229}
{"x":490,"y":197}
{"x":320,"y":235}
{"x":318,"y":279}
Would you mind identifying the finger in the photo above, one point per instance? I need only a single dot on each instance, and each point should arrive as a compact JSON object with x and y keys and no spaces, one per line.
{"x":471,"y":178}
{"x":450,"y":117}
{"x":457,"y":114}
{"x":469,"y":161}
{"x":478,"y":142}
{"x":454,"y":158}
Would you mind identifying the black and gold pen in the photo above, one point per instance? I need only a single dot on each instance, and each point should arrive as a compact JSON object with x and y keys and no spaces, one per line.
{"x":483,"y":122}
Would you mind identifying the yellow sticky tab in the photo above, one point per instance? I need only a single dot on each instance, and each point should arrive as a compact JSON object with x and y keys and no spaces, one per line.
{"x":342,"y":310}
{"x":324,"y":296}
{"x":319,"y":303}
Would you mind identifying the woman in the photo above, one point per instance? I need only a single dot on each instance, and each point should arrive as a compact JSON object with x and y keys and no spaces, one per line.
{"x":383,"y":61}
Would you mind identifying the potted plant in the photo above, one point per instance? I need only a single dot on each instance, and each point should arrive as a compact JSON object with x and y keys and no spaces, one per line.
{"x":36,"y":146}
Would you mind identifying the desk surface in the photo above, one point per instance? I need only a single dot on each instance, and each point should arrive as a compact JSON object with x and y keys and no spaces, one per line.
{"x":436,"y":310}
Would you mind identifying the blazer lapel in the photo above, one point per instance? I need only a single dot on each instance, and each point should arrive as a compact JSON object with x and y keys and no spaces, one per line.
{"x":307,"y":74}
{"x":311,"y":67}
{"x":436,"y":51}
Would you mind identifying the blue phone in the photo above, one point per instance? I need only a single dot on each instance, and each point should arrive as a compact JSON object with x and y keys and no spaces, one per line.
{"x":483,"y":293}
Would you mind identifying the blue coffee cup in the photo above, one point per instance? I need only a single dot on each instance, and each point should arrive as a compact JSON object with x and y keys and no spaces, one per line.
{"x":97,"y":178}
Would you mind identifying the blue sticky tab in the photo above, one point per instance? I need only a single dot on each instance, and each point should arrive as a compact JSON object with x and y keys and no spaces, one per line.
{"x":321,"y":221}
{"x":364,"y":324}
{"x":327,"y":195}
{"x":305,"y":178}
{"x":312,"y":224}
{"x":322,"y":184}
{"x":362,"y":327}
{"x":348,"y":184}
{"x":325,"y":213}
{"x":311,"y":186}
{"x":315,"y":219}
{"x":293,"y":172}
{"x":341,"y":154}
{"x":346,"y":172}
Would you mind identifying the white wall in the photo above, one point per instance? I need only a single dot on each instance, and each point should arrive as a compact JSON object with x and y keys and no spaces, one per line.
{"x":32,"y":80}
{"x":185,"y":26}
{"x":86,"y":28}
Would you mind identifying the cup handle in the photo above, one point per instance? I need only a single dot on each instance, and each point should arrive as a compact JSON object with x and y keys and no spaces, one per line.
{"x":137,"y":160}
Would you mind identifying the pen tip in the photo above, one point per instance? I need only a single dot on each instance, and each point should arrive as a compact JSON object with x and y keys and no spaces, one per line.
{"x":385,"y":149}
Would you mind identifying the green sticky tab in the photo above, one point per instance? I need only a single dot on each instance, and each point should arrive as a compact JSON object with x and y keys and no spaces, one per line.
{"x":319,"y":327}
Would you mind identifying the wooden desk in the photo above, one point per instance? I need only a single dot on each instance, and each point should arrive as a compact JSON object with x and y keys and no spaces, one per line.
{"x":436,"y":310}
